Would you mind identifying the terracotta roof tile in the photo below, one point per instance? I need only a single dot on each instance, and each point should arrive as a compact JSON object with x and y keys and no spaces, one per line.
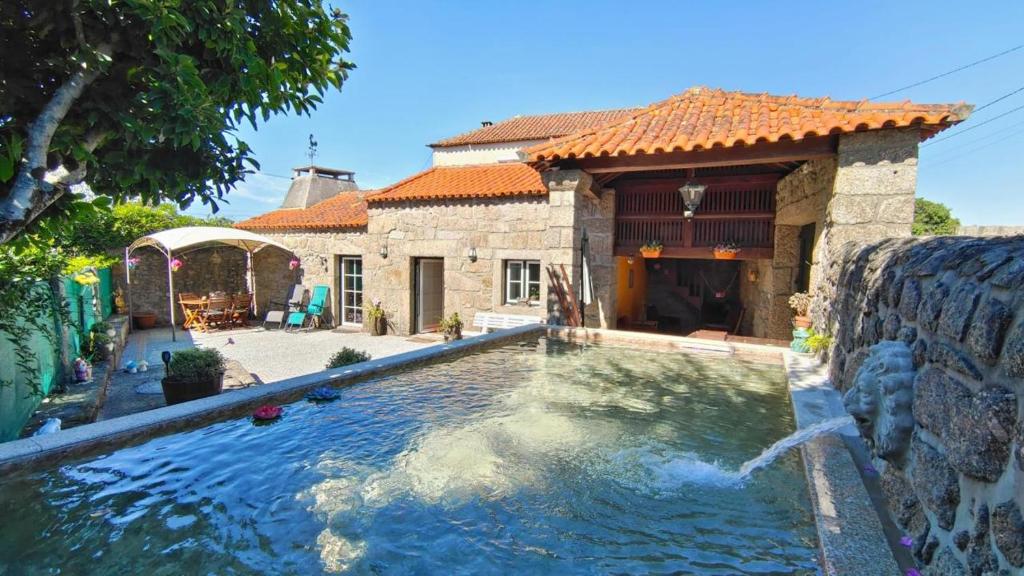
{"x":703,"y":118}
{"x":476,"y":181}
{"x":537,"y":127}
{"x":346,"y":210}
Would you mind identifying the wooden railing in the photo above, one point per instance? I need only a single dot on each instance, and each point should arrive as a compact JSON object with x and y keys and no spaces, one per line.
{"x":740,"y":210}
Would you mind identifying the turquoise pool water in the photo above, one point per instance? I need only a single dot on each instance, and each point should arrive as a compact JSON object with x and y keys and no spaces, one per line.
{"x":538,"y":457}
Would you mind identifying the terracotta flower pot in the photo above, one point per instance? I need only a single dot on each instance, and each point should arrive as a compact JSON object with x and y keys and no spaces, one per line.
{"x":650,"y":253}
{"x":725,"y":255}
{"x":801,"y":322}
{"x":177,"y":391}
{"x":144,"y":320}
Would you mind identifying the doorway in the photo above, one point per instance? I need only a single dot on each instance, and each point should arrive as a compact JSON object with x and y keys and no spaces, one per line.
{"x":429,"y":294}
{"x":352,"y":291}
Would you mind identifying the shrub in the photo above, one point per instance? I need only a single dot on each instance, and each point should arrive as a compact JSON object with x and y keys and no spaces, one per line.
{"x":818,"y":343}
{"x":196,"y":364}
{"x":451,"y":324}
{"x":347,"y":356}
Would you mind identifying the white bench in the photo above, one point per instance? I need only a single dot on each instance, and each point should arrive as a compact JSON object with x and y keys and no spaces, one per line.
{"x":488,"y":321}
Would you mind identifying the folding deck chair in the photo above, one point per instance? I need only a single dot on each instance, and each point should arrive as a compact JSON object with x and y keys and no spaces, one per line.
{"x":314,"y":310}
{"x":281,"y":309}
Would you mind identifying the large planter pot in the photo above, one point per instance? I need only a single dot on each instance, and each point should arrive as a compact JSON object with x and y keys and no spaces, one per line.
{"x":379,"y":327}
{"x":453,"y":335}
{"x":650,"y":253}
{"x":801,"y":322}
{"x":725,"y":255}
{"x":177,"y":391}
{"x":144,"y":320}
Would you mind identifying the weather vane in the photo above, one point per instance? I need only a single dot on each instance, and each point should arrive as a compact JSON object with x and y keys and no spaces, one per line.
{"x":312,"y":149}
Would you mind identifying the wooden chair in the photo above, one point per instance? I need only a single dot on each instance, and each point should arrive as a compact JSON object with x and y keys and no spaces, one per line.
{"x":240,"y":312}
{"x":189,"y":308}
{"x":215,"y":313}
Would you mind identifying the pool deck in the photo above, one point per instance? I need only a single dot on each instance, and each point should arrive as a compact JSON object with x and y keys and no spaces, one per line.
{"x":851,"y":536}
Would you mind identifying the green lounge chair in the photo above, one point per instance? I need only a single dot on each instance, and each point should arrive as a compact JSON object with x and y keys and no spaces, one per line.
{"x":314,"y":310}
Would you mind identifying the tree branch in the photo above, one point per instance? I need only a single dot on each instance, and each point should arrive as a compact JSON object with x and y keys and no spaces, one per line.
{"x":34,"y":189}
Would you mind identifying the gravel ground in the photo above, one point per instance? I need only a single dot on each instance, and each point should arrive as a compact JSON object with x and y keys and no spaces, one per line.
{"x":275,"y":355}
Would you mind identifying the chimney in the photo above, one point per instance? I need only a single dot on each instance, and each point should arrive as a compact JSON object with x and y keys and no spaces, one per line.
{"x":486,"y":123}
{"x":314,"y":184}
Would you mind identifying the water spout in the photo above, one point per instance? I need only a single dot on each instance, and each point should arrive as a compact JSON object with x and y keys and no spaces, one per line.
{"x":795,"y":439}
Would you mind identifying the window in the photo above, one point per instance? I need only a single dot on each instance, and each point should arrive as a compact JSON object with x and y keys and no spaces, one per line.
{"x":522,"y":281}
{"x":352,"y":290}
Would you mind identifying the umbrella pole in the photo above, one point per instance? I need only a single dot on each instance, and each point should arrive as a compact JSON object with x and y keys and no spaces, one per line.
{"x":252,"y":283}
{"x":128,"y":287}
{"x":170,"y":294}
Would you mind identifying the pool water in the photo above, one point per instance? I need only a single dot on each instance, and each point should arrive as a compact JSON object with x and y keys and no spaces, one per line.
{"x":536,"y":457}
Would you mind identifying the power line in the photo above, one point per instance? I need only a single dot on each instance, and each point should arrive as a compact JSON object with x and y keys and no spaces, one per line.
{"x":954,"y":151}
{"x":1001,"y":98}
{"x":944,"y":74}
{"x":978,"y":149}
{"x":968,"y":129}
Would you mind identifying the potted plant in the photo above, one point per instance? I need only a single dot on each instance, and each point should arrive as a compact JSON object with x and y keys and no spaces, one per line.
{"x":97,"y":346}
{"x":144,"y":320}
{"x":652,"y":249}
{"x":726,"y":251}
{"x":193,"y":373}
{"x":801,"y":304}
{"x":377,"y":318}
{"x":451,"y":327}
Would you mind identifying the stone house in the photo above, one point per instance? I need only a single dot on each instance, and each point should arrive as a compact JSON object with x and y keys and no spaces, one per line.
{"x":785,"y":180}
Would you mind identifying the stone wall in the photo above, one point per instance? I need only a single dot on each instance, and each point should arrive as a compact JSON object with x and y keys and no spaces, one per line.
{"x":954,"y":474}
{"x":319,"y":254}
{"x":499,"y":229}
{"x":990,"y":231}
{"x":205,"y":270}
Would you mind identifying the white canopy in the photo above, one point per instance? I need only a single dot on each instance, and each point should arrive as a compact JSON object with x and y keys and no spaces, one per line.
{"x":177,"y":239}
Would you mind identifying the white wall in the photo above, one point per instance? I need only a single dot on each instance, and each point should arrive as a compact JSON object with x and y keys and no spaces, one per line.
{"x":481,"y":153}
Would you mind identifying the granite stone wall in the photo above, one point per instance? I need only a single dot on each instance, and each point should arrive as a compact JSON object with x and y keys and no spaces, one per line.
{"x":205,"y":270}
{"x":957,"y":306}
{"x":319,"y":254}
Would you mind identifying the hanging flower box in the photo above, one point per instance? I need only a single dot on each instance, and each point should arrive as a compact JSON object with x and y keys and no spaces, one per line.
{"x":726,"y":251}
{"x":652,"y":249}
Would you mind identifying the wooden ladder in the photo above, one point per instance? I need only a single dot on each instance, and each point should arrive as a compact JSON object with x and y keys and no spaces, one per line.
{"x":560,"y":283}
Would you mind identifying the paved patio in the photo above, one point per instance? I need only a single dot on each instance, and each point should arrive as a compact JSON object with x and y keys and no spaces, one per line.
{"x":255,"y":356}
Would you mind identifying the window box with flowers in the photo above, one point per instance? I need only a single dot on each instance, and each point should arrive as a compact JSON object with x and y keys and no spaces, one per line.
{"x":726,"y":251}
{"x":652,"y":249}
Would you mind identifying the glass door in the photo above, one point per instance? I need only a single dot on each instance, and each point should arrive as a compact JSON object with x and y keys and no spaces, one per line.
{"x":352,"y":291}
{"x":429,"y":294}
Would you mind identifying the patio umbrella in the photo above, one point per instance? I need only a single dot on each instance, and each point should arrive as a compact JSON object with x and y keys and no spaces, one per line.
{"x":178,"y":241}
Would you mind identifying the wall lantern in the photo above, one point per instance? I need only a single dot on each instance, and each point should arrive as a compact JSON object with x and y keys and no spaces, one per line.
{"x":384,"y":251}
{"x":692,"y":194}
{"x":752,"y":275}
{"x":472,"y":253}
{"x":630,"y":259}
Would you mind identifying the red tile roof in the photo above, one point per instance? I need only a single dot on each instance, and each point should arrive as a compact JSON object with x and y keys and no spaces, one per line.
{"x":536,"y":127}
{"x":475,"y":181}
{"x":703,"y":118}
{"x":346,"y":210}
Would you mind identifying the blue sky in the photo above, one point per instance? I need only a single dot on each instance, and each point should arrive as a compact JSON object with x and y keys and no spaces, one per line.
{"x":430,"y":69}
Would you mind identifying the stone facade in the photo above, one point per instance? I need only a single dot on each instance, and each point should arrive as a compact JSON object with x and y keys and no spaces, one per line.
{"x":319,"y":254}
{"x":955,"y":304}
{"x":205,"y":270}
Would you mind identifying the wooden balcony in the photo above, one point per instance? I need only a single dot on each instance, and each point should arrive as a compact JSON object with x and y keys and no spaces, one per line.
{"x":734,"y":209}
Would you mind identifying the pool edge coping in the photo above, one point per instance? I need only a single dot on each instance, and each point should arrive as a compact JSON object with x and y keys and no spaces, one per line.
{"x":36,"y":450}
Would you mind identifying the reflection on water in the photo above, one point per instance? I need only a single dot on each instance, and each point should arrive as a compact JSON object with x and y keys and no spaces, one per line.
{"x":537,"y":457}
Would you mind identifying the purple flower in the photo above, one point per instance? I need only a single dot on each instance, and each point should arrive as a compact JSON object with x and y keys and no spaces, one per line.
{"x":913,"y":572}
{"x":906,"y":541}
{"x":869,"y":469}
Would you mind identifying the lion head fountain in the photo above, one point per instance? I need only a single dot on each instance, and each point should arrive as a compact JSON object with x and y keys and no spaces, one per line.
{"x":881,"y":400}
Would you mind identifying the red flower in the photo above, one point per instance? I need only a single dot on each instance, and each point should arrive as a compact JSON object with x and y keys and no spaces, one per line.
{"x":267,"y":412}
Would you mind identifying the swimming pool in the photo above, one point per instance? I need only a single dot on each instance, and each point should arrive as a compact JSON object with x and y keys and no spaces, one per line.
{"x":534,"y":457}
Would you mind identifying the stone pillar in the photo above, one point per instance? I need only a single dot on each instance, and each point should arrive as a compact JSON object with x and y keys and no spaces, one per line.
{"x":573,"y":207}
{"x":872,"y":197}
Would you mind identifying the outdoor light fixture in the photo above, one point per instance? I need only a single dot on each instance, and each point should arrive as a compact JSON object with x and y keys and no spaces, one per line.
{"x":752,"y":275}
{"x":630,"y":259}
{"x":692,"y":194}
{"x":472,"y":253}
{"x":384,"y":251}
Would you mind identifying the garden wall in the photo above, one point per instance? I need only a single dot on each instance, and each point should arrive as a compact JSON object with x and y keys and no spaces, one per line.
{"x":954,"y":477}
